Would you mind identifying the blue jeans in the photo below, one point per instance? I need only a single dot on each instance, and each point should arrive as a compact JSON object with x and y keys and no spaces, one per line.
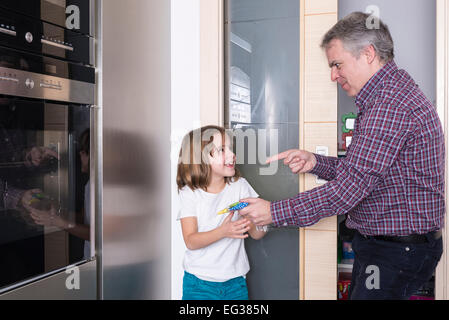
{"x":194,"y":288}
{"x":386,"y":270}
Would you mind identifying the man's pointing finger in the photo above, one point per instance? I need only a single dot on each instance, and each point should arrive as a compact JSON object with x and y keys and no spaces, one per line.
{"x":279,"y":156}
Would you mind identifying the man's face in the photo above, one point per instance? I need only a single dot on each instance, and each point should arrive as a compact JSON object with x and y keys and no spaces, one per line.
{"x":351,"y":73}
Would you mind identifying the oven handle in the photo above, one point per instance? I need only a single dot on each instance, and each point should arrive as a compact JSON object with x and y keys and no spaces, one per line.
{"x":59,"y":45}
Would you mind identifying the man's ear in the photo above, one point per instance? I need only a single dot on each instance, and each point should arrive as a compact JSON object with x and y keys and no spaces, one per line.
{"x":370,"y":53}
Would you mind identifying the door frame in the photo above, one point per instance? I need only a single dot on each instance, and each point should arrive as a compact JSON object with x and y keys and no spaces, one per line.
{"x":442,"y":74}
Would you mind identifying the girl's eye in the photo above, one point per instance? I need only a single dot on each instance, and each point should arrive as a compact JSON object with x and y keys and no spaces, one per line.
{"x":217,"y":151}
{"x":222,"y":150}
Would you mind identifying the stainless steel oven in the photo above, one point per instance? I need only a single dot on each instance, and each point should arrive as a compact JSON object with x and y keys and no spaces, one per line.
{"x":47,"y":91}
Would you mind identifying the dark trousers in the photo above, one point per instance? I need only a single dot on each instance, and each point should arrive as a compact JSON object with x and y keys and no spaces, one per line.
{"x":385,"y":270}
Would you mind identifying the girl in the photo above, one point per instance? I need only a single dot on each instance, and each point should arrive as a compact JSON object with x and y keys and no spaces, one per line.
{"x":215,"y":262}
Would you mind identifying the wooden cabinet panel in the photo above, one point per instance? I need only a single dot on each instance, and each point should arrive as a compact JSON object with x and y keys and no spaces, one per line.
{"x":321,"y":6}
{"x":318,"y":258}
{"x":211,"y":63}
{"x":326,"y":224}
{"x":320,"y":265}
{"x":320,"y":92}
{"x":320,"y":134}
{"x":442,"y":271}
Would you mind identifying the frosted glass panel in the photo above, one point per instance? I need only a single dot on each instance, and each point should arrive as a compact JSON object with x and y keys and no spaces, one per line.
{"x":262,"y":73}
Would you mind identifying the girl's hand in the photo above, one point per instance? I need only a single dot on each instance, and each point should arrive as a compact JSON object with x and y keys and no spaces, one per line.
{"x":28,"y":196}
{"x":234,"y":229}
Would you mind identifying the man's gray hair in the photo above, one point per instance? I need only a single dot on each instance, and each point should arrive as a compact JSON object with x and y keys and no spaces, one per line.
{"x":356,"y":33}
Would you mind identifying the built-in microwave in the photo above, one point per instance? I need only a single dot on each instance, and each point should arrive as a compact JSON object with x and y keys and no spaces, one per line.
{"x":24,"y":33}
{"x":75,"y":15}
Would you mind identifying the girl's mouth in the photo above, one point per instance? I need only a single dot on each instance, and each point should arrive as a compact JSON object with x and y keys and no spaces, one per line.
{"x":230,"y":165}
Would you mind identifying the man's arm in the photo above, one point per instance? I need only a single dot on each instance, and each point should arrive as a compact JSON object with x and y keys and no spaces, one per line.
{"x":299,"y":161}
{"x":325,"y":168}
{"x":374,"y":149}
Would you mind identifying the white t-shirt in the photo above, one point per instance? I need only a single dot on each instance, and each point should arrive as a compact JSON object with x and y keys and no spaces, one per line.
{"x":226,"y":258}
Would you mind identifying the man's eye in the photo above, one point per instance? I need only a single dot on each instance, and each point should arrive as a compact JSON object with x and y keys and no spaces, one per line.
{"x":338,"y":66}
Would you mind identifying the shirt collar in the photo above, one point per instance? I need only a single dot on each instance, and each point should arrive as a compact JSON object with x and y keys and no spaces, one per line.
{"x":370,"y":87}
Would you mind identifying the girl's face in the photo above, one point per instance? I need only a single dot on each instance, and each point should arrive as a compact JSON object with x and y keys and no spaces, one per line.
{"x":222,"y":161}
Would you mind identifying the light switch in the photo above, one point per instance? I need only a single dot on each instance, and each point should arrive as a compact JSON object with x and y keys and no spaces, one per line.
{"x":322,"y":151}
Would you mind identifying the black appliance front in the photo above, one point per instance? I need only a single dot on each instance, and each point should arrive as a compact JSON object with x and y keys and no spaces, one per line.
{"x":24,"y":33}
{"x":45,"y":116}
{"x":74,"y":15}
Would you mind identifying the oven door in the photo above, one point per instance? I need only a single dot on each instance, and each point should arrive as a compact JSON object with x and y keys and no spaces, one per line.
{"x":45,"y":207}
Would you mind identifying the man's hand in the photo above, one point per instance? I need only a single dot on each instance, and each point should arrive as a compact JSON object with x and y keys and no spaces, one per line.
{"x":299,"y":161}
{"x":258,"y":211}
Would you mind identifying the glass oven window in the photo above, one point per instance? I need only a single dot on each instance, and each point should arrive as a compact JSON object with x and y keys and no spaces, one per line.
{"x":45,"y":216}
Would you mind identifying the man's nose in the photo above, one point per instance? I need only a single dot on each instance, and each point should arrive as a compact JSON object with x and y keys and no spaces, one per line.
{"x":334,"y":74}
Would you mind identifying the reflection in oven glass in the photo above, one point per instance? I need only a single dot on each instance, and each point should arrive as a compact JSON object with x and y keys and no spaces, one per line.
{"x":44,"y":188}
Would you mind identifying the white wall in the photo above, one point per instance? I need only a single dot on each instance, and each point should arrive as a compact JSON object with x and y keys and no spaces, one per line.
{"x":185,"y":110}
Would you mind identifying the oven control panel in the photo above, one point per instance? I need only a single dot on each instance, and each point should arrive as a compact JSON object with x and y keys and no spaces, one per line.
{"x":39,"y":86}
{"x":9,"y":77}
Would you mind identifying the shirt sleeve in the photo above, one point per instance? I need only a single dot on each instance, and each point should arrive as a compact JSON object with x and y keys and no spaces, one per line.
{"x":188,"y":204}
{"x":325,"y":167}
{"x":374,"y":148}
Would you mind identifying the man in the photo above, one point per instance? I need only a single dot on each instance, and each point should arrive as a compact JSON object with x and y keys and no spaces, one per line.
{"x":391,"y":183}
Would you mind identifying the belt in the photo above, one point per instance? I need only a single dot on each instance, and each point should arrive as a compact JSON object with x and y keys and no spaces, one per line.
{"x":413,"y":238}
